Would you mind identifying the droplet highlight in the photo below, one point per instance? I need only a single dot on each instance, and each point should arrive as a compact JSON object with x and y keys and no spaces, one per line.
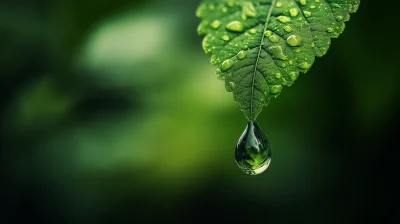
{"x":253,"y":151}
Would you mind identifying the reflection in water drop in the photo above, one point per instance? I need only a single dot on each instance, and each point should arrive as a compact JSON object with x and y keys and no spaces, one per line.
{"x":253,"y":153}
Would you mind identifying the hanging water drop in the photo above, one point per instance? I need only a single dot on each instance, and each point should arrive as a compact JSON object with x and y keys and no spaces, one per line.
{"x":253,"y":153}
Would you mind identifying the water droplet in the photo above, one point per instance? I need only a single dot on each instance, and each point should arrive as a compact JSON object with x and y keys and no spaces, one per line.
{"x":294,"y":12}
{"x":278,"y":52}
{"x":215,"y":24}
{"x":339,"y":18}
{"x":304,"y":65}
{"x":274,"y":38}
{"x":293,"y":40}
{"x":225,"y":38}
{"x":235,"y":26}
{"x":303,"y":2}
{"x":329,"y":30}
{"x":232,"y":84}
{"x":248,"y":9}
{"x":288,"y":29}
{"x":227,"y":64}
{"x":283,"y":19}
{"x":268,"y":33}
{"x":253,"y":31}
{"x":241,"y":55}
{"x":253,"y":152}
{"x":276,"y":89}
{"x":307,"y":14}
{"x":279,"y":4}
{"x":278,"y":75}
{"x":293,"y":76}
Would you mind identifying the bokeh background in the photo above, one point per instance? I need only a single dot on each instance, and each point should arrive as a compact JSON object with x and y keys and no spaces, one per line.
{"x":112,"y":113}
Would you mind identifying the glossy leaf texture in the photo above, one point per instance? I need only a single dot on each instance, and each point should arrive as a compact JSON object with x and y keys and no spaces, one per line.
{"x":260,"y":46}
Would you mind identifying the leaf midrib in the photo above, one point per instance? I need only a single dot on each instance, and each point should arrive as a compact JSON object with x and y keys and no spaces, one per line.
{"x":258,"y":57}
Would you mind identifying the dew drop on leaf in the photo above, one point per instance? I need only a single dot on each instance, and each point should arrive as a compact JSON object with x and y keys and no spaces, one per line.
{"x":225,"y":38}
{"x":268,"y":33}
{"x":232,"y":84}
{"x":235,"y":26}
{"x":227,"y":64}
{"x":253,"y":152}
{"x":274,"y":38}
{"x":294,"y":12}
{"x":307,"y":14}
{"x":293,"y":76}
{"x":293,"y":40}
{"x":283,"y":19}
{"x":241,"y":55}
{"x":288,"y":29}
{"x":215,"y":24}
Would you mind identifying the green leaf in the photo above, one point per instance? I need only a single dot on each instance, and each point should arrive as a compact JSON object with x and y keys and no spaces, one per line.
{"x":259,"y":46}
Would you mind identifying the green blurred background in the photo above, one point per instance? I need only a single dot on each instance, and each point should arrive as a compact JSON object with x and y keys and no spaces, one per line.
{"x":112,"y":113}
